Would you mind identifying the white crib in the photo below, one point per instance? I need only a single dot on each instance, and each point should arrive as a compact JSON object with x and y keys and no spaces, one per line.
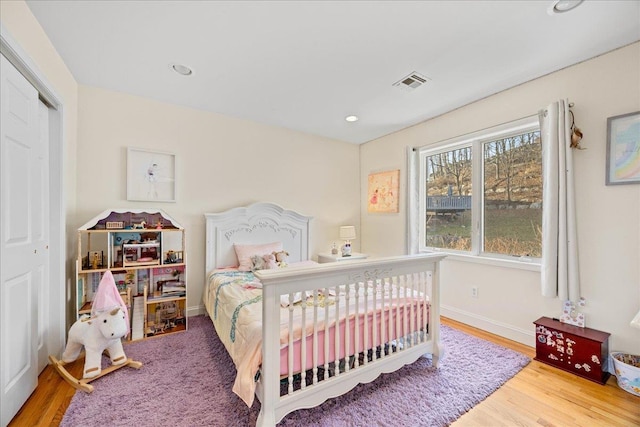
{"x":352,"y":321}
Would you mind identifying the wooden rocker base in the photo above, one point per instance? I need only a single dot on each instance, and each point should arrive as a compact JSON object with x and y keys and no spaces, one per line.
{"x":83,"y":383}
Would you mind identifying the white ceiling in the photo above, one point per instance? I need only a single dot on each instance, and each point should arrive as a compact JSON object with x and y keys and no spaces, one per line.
{"x":306,"y":65}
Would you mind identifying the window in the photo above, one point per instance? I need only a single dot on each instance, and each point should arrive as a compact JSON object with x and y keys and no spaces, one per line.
{"x":482,"y":193}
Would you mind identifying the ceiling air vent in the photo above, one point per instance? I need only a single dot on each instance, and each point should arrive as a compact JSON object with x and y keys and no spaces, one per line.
{"x":412,"y":81}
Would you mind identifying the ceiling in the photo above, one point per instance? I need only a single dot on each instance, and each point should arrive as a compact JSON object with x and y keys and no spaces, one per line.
{"x":306,"y":65}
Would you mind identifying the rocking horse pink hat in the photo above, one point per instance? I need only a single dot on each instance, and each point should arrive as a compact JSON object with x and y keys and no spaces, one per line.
{"x":108,"y":297}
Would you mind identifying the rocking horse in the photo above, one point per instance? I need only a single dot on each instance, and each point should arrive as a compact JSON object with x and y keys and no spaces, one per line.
{"x":103,"y":330}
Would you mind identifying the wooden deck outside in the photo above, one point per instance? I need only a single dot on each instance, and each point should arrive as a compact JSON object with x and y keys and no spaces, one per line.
{"x":448,"y":204}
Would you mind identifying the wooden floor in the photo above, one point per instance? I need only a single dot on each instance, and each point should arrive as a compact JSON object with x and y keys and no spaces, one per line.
{"x":539,"y":395}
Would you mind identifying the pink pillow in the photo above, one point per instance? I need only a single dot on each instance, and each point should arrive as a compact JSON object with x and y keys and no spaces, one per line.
{"x":245,"y":252}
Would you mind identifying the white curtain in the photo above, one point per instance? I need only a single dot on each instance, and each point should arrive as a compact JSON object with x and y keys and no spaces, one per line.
{"x":413,"y":188}
{"x":560,"y":275}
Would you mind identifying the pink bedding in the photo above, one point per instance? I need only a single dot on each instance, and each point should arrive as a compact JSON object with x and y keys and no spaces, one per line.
{"x":397,"y":316}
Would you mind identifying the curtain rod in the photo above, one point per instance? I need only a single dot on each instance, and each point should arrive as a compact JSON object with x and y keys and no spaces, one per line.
{"x":571,"y":104}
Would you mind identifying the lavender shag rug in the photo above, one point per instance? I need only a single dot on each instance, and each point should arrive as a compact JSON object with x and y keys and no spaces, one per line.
{"x":186,"y":380}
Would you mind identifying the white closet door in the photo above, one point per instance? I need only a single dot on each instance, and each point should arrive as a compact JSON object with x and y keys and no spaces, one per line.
{"x":42,"y":238}
{"x":23,"y":237}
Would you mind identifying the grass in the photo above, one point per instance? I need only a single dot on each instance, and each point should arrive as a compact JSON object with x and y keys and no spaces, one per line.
{"x":507,"y":231}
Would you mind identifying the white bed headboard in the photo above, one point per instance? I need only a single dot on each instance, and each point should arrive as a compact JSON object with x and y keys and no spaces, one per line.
{"x":254,"y":224}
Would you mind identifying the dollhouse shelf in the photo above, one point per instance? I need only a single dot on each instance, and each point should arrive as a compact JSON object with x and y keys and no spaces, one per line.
{"x":86,"y":307}
{"x":144,"y":249}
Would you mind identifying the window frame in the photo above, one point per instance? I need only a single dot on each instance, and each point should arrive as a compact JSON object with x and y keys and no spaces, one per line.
{"x":476,"y":141}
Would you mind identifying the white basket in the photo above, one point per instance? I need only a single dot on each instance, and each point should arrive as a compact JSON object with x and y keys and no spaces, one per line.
{"x":627,"y":367}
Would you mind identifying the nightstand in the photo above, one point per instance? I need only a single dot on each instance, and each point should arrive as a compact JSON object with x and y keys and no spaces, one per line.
{"x":327,"y":257}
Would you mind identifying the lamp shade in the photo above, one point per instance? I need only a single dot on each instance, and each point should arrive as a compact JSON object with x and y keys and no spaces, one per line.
{"x":347,"y":232}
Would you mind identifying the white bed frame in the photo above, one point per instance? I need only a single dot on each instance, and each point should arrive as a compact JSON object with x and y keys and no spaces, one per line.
{"x":266,"y":222}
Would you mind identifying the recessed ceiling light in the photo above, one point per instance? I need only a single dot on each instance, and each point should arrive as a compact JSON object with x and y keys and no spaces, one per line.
{"x":562,"y":6}
{"x":351,"y":118}
{"x":181,"y":69}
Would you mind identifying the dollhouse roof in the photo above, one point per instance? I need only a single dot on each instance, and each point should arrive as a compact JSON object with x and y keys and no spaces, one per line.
{"x":128,"y":217}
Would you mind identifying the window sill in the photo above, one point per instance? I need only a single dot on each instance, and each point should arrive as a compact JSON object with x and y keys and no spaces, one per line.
{"x":518,"y":264}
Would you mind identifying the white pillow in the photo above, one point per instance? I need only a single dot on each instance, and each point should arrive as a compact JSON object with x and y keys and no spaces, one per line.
{"x":245,"y":252}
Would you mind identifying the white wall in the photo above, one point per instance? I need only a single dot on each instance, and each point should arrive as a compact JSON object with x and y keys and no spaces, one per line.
{"x":608,"y":216}
{"x":222,"y":163}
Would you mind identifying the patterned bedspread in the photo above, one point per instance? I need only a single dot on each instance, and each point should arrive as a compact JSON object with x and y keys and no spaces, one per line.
{"x":234,"y":302}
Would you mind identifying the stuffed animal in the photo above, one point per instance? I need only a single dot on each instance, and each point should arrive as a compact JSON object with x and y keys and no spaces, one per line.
{"x":103,"y":330}
{"x":281,"y":258}
{"x":269,"y":261}
{"x":97,"y":334}
{"x":257,"y":263}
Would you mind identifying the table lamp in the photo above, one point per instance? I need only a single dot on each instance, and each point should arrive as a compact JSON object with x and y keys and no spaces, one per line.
{"x":347,"y":233}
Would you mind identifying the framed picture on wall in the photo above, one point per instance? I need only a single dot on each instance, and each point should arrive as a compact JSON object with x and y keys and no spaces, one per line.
{"x":151,"y":175}
{"x":623,"y":149}
{"x":382,"y":194}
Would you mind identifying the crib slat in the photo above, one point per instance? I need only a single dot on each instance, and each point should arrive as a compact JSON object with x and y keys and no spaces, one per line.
{"x":290,"y":347}
{"x":326,"y":332}
{"x":423,"y":303}
{"x":419,"y":318}
{"x":366,"y":321}
{"x":382,"y":317}
{"x":303,"y":345}
{"x":426,"y":321}
{"x":390,"y":321}
{"x":420,"y":298}
{"x":347,"y":334}
{"x":403,"y":298}
{"x":336,"y":349}
{"x":412,"y":281}
{"x":376,"y":294}
{"x":413,"y":297}
{"x":315,"y":336}
{"x":398,"y":324}
{"x":357,"y":349}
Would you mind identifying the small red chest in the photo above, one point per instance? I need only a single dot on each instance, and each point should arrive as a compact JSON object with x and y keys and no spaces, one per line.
{"x":581,"y":351}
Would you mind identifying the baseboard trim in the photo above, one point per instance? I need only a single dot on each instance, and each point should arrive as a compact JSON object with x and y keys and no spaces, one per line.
{"x":523,"y":336}
{"x":195,"y":310}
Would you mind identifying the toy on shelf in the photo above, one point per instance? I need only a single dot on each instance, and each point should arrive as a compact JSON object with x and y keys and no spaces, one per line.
{"x":103,"y":330}
{"x":140,"y":226}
